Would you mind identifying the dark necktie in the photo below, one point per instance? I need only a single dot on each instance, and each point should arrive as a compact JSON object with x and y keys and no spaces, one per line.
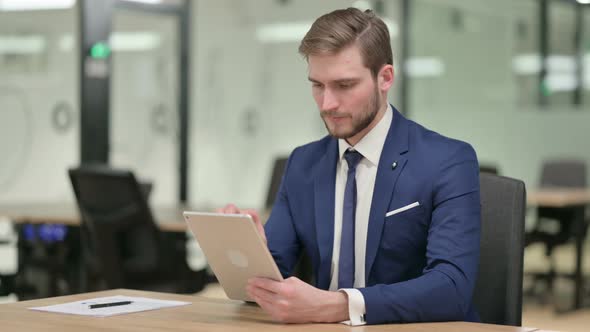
{"x":346,"y":261}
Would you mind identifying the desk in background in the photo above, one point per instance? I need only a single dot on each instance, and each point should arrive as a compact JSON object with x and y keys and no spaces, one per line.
{"x":203,"y":314}
{"x":58,"y":259}
{"x":169,"y":219}
{"x":567,"y":198}
{"x":558,"y":197}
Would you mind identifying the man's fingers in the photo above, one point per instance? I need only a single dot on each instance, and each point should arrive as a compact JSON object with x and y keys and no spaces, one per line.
{"x":268,"y":307}
{"x":293,"y":280}
{"x":272,"y":309}
{"x":253,"y":213}
{"x":262,"y":293}
{"x":267,"y":284}
{"x":228,"y":209}
{"x":232,"y":209}
{"x":262,"y":301}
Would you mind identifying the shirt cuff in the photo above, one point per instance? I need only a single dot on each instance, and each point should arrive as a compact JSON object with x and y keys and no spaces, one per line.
{"x":356,"y":307}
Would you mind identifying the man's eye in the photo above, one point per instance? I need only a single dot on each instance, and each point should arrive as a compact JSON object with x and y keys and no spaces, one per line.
{"x":316,"y":85}
{"x":345,"y":85}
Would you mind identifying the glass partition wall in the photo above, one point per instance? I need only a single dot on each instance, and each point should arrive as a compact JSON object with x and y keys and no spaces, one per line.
{"x":481,"y":79}
{"x":144,"y":99}
{"x":473,"y":72}
{"x":39,"y":108}
{"x":251,"y":100}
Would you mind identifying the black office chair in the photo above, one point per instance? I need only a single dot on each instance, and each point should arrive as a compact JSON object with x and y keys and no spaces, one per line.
{"x":275,"y":180}
{"x":498,"y":291}
{"x":554,"y":226}
{"x":303,"y":269}
{"x":122,"y":246}
{"x":489,"y":168}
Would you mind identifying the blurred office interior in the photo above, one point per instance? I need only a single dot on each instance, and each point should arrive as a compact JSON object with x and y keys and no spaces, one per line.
{"x":199,"y":98}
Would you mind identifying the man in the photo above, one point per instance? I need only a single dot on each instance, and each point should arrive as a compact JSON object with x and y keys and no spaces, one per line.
{"x":388,"y":211}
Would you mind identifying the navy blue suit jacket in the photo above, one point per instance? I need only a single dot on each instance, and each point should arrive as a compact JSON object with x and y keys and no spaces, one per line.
{"x":421,"y":264}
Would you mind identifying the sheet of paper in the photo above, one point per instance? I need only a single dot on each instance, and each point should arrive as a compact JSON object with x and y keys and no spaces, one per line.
{"x":83,"y":307}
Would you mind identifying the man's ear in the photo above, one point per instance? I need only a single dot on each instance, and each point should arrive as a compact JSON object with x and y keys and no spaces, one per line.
{"x":386,"y":77}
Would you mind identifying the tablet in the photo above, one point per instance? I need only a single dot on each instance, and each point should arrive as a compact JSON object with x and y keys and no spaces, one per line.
{"x":234,"y":249}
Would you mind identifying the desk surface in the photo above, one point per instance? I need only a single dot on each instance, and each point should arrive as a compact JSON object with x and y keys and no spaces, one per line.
{"x":558,"y":197}
{"x":169,"y":219}
{"x":203,"y":314}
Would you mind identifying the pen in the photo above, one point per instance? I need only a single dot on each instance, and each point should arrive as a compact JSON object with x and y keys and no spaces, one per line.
{"x":112,"y":304}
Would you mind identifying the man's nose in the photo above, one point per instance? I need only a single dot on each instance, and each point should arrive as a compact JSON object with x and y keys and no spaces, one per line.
{"x":329,"y":101}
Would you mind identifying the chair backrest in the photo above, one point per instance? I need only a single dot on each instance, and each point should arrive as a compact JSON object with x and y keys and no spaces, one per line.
{"x":498,"y":291}
{"x":122,"y":235}
{"x":275,"y":181}
{"x":569,"y":173}
{"x":488,"y":168}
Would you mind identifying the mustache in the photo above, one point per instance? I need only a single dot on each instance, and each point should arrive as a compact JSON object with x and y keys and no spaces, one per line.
{"x":333,"y":113}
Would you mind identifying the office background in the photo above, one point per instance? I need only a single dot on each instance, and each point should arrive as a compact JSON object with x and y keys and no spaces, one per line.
{"x":472,"y":69}
{"x":511,"y":77}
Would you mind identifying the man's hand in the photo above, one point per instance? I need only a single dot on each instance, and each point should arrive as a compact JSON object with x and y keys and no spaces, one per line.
{"x":294,"y":301}
{"x":232,"y":209}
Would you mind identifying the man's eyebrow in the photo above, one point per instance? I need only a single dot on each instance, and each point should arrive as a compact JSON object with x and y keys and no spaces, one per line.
{"x":338,"y":81}
{"x":346,"y":80}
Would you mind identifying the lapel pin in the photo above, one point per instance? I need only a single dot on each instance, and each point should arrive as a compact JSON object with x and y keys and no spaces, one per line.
{"x":394,"y":165}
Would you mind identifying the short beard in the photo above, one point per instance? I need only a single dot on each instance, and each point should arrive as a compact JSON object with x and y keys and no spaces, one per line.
{"x":358,"y":125}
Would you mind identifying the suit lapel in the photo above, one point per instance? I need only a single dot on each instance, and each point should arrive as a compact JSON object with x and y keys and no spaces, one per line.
{"x":324,"y":186}
{"x":394,"y":149}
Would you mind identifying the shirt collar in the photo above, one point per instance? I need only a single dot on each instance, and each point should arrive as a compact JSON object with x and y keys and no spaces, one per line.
{"x":371,"y":145}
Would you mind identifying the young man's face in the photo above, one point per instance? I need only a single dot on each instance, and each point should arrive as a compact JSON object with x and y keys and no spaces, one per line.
{"x":346,"y":93}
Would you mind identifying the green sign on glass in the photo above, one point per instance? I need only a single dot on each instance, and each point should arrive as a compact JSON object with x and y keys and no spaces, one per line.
{"x":100,"y":51}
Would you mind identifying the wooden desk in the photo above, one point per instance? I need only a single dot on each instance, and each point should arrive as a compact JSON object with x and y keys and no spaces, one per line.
{"x":202,"y":315}
{"x":168,"y":219}
{"x":568,"y":198}
{"x":558,"y":197}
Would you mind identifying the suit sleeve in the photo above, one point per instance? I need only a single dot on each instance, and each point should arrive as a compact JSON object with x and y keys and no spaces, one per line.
{"x":444,"y":290}
{"x":283,"y":242}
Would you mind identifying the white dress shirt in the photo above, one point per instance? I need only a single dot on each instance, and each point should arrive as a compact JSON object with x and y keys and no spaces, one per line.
{"x":370,"y":147}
